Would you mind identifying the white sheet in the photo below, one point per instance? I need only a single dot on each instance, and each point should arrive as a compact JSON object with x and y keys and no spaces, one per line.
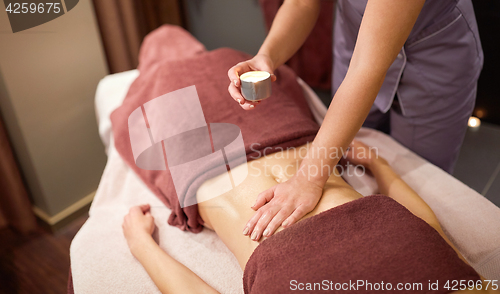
{"x":102,"y":263}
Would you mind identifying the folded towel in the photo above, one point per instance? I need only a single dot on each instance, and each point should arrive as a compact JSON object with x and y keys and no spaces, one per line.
{"x":282,"y":121}
{"x":373,"y":239}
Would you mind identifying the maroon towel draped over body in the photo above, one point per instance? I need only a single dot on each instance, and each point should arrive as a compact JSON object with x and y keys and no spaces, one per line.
{"x":171,"y":59}
{"x":374,"y":239}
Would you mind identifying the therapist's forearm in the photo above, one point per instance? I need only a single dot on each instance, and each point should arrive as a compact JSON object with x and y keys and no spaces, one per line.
{"x":291,"y":26}
{"x":384,"y":29}
{"x":344,"y":118}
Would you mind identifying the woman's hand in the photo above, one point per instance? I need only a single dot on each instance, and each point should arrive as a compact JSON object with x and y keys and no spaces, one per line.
{"x":283,"y":204}
{"x":137,"y":225}
{"x":260,"y":62}
{"x":361,"y":154}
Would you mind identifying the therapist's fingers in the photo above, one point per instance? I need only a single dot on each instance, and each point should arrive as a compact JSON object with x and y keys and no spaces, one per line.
{"x":234,"y":74}
{"x":236,"y":94}
{"x":297,"y":214}
{"x":236,"y":71}
{"x":276,"y":221}
{"x":268,"y":214}
{"x":248,"y":105}
{"x":252,"y":222}
{"x":264,"y":197}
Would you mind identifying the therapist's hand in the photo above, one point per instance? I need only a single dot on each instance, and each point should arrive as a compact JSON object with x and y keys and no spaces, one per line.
{"x":283,"y":204}
{"x":260,"y":62}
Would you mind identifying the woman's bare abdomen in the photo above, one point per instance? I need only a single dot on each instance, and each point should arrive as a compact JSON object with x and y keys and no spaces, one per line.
{"x":228,"y":213}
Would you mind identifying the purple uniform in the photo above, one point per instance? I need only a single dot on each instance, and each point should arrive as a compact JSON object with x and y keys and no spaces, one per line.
{"x":434,"y":76}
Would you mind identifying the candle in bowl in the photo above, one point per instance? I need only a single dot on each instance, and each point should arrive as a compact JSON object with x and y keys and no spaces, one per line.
{"x":256,"y":85}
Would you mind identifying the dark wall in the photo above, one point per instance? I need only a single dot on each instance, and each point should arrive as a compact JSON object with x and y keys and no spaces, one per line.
{"x":488,"y":95}
{"x":238,"y":24}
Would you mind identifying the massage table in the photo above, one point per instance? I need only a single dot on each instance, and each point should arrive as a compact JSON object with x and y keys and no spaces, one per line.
{"x":102,"y":263}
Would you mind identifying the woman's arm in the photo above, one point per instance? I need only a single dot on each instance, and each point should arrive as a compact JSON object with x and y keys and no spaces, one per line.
{"x":291,"y":26}
{"x":169,"y":275}
{"x":384,"y":29}
{"x":391,"y":184}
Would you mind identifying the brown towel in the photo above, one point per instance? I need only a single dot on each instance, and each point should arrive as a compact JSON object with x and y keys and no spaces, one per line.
{"x":373,"y":239}
{"x":283,"y":120}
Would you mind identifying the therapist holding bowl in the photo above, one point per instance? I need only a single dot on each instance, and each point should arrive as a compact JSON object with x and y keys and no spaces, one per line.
{"x":415,"y":63}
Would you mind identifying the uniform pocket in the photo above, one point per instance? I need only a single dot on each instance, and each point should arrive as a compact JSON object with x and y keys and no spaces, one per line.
{"x":435,"y":29}
{"x":446,"y":55}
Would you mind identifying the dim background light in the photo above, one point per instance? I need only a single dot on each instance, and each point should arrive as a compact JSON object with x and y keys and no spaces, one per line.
{"x":474,"y":122}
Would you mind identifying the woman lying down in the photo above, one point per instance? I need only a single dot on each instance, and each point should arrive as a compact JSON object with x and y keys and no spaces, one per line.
{"x":347,"y":243}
